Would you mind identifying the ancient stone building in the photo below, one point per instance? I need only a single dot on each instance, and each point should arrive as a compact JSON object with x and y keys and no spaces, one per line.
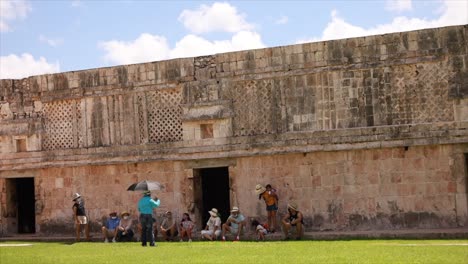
{"x":368,"y":133}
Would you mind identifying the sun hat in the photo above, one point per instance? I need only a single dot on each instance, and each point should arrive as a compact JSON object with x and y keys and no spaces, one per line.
{"x":259,"y":189}
{"x":125,"y":213}
{"x":235,"y":209}
{"x":213,"y":212}
{"x":292,"y":205}
{"x":76,"y":196}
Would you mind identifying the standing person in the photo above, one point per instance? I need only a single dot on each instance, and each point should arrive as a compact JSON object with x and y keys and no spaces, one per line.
{"x":124,"y":230}
{"x":186,"y":226}
{"x":110,"y":228}
{"x":79,"y":215}
{"x":271,"y":200}
{"x":213,"y":226}
{"x":292,"y":219}
{"x":145,"y":207}
{"x":234,"y":224}
{"x":168,"y":227}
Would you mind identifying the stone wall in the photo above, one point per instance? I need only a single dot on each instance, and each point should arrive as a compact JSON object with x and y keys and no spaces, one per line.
{"x":351,"y":103}
{"x":375,"y":189}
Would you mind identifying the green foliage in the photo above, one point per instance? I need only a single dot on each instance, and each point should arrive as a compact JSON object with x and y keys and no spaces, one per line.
{"x":357,"y":251}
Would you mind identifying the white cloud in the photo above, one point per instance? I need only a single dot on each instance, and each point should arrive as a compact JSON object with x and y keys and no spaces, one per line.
{"x":149,"y":47}
{"x":283,"y":20}
{"x":54,"y":42}
{"x":453,"y":13}
{"x":221,"y":17}
{"x":76,"y":3}
{"x":12,"y":10}
{"x":16,"y":67}
{"x":191,"y":45}
{"x":398,"y":5}
{"x":145,"y":48}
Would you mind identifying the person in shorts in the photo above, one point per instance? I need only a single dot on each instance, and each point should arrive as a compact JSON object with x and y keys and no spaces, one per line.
{"x":213,"y":226}
{"x":270,"y":197}
{"x":110,"y":228}
{"x":79,"y":216}
{"x":293,"y":220}
{"x":234,"y":224}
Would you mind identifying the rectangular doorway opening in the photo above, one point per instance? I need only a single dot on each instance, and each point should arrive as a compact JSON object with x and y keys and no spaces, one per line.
{"x":211,"y":190}
{"x":21,"y":205}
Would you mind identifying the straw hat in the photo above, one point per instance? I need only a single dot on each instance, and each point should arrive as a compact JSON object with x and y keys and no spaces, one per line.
{"x":235,"y":209}
{"x":213,"y":212}
{"x":259,"y":189}
{"x":125,"y":213}
{"x":292,"y":205}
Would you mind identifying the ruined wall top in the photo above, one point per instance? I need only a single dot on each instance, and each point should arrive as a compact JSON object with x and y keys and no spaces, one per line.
{"x":361,"y":92}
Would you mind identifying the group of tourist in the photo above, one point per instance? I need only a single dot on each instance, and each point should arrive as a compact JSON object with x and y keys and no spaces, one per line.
{"x":117,"y":228}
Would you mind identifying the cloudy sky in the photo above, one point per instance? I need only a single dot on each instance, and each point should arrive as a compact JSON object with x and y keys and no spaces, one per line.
{"x":47,"y":36}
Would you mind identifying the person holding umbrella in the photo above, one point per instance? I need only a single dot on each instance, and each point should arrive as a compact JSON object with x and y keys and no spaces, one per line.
{"x":145,"y":207}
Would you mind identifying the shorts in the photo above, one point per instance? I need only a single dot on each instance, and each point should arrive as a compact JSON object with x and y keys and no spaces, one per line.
{"x":272,"y":207}
{"x":210,"y":232}
{"x":110,"y":232}
{"x":234,"y":230}
{"x":82,"y":219}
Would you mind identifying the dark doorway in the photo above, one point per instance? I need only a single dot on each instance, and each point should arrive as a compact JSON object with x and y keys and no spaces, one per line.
{"x":26,"y":204}
{"x":215,"y":192}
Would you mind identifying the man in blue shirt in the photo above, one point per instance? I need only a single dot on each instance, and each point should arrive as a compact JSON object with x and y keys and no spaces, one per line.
{"x":145,"y":207}
{"x":234,"y":224}
{"x":109,"y":229}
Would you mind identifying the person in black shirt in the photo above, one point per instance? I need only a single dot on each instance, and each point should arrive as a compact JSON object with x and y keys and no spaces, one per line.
{"x":293,"y":219}
{"x":79,"y":215}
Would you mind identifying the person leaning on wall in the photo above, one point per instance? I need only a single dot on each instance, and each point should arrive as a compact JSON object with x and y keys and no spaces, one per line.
{"x":80,"y":218}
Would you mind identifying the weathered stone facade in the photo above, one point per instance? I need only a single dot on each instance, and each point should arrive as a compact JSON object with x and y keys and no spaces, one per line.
{"x":364,"y":133}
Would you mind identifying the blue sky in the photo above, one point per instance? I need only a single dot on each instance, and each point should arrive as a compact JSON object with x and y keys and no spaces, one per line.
{"x":38,"y":36}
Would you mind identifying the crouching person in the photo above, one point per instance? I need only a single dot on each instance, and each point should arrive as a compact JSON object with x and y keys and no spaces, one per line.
{"x":234,"y":224}
{"x":125,"y":228}
{"x":109,"y":229}
{"x":213,"y":226}
{"x":293,"y":219}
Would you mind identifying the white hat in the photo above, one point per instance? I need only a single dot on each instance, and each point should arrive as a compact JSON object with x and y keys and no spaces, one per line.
{"x":259,"y":189}
{"x":235,"y":209}
{"x":76,"y":196}
{"x":213,"y":212}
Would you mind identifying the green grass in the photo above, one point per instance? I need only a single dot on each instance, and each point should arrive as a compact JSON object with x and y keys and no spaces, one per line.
{"x":354,"y":251}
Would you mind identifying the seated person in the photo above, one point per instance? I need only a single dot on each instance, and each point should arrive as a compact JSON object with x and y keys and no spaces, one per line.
{"x":124,"y":230}
{"x":293,"y":219}
{"x":213,"y":226}
{"x":168,"y":227}
{"x":234,"y":223}
{"x":186,"y":226}
{"x":260,"y":230}
{"x":109,"y":229}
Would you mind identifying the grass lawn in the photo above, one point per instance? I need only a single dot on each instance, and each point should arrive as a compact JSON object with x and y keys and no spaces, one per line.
{"x":357,"y":251}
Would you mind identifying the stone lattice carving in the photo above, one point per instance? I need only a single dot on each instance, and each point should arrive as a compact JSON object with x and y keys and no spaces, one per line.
{"x":420,"y":94}
{"x":253,"y":108}
{"x":164,"y":116}
{"x":60,"y":118}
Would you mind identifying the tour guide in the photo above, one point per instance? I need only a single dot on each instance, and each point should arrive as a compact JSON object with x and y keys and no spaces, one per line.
{"x":145,"y":207}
